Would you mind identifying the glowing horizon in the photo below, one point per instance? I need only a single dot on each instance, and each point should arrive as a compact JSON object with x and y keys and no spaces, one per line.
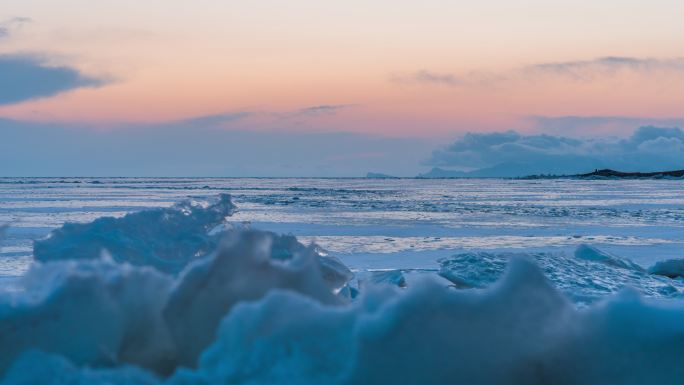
{"x":407,"y":70}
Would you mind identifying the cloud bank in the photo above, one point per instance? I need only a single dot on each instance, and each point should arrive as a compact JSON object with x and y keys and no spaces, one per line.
{"x":26,"y":77}
{"x":322,"y":109}
{"x":513,"y":154}
{"x":7,"y":27}
{"x":596,"y":125}
{"x":430,"y":77}
{"x":577,"y":70}
{"x":605,"y":66}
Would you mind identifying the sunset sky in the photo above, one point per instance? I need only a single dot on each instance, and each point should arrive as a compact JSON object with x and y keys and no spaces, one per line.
{"x":400,"y":70}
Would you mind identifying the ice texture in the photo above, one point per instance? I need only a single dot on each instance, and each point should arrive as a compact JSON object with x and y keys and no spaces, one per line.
{"x":166,"y":238}
{"x":97,"y":311}
{"x":672,"y":268}
{"x":91,"y":312}
{"x":585,"y":277}
{"x":36,"y":367}
{"x":261,"y":308}
{"x":591,"y":253}
{"x":243,"y":270}
{"x":520,"y":330}
{"x":352,"y":218}
{"x":390,"y":277}
{"x":427,"y":335}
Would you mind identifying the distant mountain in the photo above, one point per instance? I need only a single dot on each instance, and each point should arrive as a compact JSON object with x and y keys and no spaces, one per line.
{"x":507,"y":170}
{"x":377,"y":175}
{"x":437,"y":172}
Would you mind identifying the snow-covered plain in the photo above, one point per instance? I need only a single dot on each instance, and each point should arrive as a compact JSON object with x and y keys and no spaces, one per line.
{"x":387,"y":281}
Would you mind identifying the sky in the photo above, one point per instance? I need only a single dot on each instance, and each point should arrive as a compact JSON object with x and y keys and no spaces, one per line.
{"x":399,"y":80}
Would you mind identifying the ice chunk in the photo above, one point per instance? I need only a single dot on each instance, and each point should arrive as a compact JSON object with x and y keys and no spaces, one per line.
{"x":165,"y":238}
{"x":428,"y":335}
{"x":100,"y":313}
{"x":93,"y":312}
{"x":584,"y":279}
{"x":520,"y":330}
{"x":590,"y":253}
{"x":473,"y":270}
{"x":391,"y":277}
{"x":284,"y":333}
{"x":335,"y":273}
{"x":242,"y":270}
{"x":168,"y":239}
{"x":672,"y":268}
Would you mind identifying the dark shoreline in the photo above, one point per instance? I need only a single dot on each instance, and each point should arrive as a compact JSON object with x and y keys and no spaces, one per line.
{"x":613,"y":174}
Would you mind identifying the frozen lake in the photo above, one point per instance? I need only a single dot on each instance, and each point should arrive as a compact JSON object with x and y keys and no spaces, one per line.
{"x":378,"y":223}
{"x":434,"y":285}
